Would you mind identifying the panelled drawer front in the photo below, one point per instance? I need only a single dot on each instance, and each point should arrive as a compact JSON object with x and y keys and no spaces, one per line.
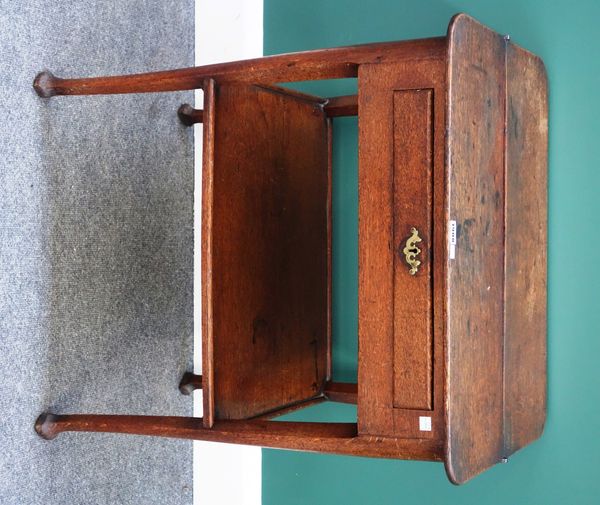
{"x":412,"y":188}
{"x":399,"y":388}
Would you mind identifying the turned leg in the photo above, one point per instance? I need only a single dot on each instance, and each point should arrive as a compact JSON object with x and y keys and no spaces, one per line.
{"x":258,"y":432}
{"x":45,"y":84}
{"x":188,"y":115}
{"x":48,"y":425}
{"x":48,"y":85}
{"x":340,"y":438}
{"x":190,"y":382}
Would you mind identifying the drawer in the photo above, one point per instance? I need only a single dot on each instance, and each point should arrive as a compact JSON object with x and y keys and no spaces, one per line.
{"x":401,"y":125}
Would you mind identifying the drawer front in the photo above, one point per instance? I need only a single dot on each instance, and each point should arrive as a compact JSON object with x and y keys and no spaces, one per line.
{"x":401,"y":128}
{"x":412,"y":196}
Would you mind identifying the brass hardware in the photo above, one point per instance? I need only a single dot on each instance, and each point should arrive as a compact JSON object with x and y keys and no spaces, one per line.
{"x":411,"y":251}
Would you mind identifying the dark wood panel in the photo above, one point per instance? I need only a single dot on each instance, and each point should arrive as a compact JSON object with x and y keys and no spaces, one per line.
{"x":382,"y":294}
{"x":526,"y":244}
{"x":329,"y":373}
{"x":343,"y":392}
{"x":270,"y":250}
{"x":475,"y":161}
{"x":413,"y":160}
{"x":339,"y":106}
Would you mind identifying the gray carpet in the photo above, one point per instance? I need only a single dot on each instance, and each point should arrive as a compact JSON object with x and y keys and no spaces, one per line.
{"x":95,"y":252}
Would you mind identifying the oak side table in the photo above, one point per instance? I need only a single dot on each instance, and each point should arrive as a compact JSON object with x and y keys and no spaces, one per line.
{"x":452,"y":249}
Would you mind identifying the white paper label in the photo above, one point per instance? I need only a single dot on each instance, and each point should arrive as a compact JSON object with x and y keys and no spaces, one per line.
{"x":452,"y":238}
{"x":424,"y":423}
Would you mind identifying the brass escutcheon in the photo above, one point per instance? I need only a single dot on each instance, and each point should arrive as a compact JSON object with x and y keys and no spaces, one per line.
{"x":411,"y":251}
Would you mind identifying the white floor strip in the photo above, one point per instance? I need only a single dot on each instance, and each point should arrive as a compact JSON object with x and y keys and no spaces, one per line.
{"x":225,"y":30}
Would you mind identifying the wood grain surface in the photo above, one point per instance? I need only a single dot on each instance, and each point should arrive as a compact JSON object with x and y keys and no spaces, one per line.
{"x":270,"y":235}
{"x":339,"y":106}
{"x":413,"y":198}
{"x":343,"y":392}
{"x":526,"y":241}
{"x":335,"y":438}
{"x":330,"y":63}
{"x":475,"y":343}
{"x":401,"y":144}
{"x":207,"y":279}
